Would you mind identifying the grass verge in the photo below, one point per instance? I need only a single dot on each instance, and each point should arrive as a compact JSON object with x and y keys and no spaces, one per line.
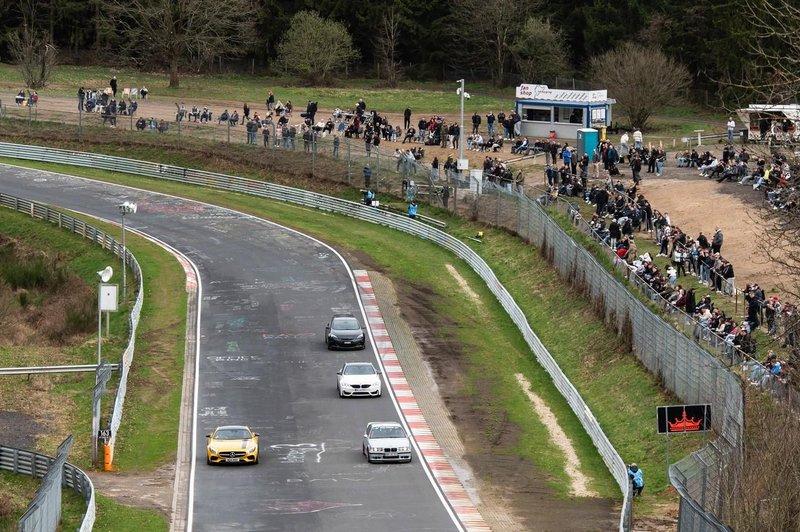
{"x":620,"y":392}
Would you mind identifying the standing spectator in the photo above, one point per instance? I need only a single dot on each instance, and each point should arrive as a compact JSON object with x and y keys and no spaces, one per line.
{"x":661,"y":156}
{"x":637,"y":139}
{"x":716,"y":241}
{"x":636,"y":168}
{"x":435,"y":168}
{"x":624,"y":149}
{"x":412,"y":210}
{"x":336,"y":141}
{"x":81,"y":98}
{"x":113,"y":84}
{"x":265,"y":134}
{"x":245,"y":113}
{"x":490,"y":119}
{"x":651,"y":161}
{"x":270,"y":101}
{"x":637,"y":479}
{"x":476,"y":123}
{"x":407,"y":118}
{"x":367,"y":176}
{"x":773,"y":310}
{"x":731,"y":129}
{"x":143,"y":91}
{"x":614,"y":234}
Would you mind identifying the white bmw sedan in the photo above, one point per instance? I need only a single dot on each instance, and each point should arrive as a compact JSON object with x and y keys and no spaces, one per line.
{"x":386,"y":441}
{"x":358,"y":378}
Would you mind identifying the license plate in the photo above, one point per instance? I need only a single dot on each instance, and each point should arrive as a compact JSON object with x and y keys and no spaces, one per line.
{"x":231,"y":459}
{"x":390,"y":455}
{"x":348,"y":343}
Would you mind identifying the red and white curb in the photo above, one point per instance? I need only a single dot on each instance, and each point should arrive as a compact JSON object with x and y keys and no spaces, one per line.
{"x":439,"y":465}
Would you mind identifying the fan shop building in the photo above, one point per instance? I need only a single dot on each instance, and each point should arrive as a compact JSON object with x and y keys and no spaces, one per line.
{"x":560,"y":113}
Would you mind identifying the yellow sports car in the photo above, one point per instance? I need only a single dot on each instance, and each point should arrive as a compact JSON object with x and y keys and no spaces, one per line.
{"x":232,"y":444}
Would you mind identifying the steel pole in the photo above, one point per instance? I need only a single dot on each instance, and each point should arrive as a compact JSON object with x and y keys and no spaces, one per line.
{"x":99,"y":323}
{"x":461,"y":128}
{"x":124,"y":251}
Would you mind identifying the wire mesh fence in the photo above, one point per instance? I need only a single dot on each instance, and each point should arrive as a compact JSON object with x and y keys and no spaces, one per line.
{"x":44,"y":510}
{"x":403,"y":223}
{"x":689,"y":371}
{"x":106,"y":241}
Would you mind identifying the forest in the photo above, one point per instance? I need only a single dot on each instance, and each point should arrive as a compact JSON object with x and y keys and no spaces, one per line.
{"x":505,"y":41}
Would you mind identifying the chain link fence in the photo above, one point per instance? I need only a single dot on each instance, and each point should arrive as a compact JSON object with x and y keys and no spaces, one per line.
{"x":666,"y":348}
{"x":393,"y":171}
{"x":74,"y":225}
{"x":44,"y":511}
{"x":403,"y":223}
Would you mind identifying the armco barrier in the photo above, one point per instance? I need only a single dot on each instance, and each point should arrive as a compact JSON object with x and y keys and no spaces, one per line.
{"x":612,"y":459}
{"x":106,"y":241}
{"x":43,"y":512}
{"x":36,"y":210}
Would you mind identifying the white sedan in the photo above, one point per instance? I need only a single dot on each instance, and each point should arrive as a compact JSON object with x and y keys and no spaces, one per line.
{"x":358,"y":378}
{"x":386,"y":441}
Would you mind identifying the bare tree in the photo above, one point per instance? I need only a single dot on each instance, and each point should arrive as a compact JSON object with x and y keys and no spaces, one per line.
{"x":771,"y":63}
{"x":642,"y":79}
{"x":387,"y":42}
{"x":32,"y":48}
{"x":316,"y":48}
{"x":484,"y":33}
{"x":181,"y":32}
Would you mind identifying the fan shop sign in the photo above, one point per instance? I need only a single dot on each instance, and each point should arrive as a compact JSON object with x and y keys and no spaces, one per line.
{"x":684,"y":418}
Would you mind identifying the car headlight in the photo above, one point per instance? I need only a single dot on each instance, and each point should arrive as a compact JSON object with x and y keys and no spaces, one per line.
{"x":346,"y":385}
{"x":331,"y":335}
{"x":212,"y":450}
{"x":252,"y":449}
{"x":403,"y":449}
{"x":375,"y":450}
{"x":360,"y":336}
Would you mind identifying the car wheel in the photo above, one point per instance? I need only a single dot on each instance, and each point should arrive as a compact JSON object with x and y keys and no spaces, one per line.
{"x":363,"y":346}
{"x":208,"y":461}
{"x":255,"y":462}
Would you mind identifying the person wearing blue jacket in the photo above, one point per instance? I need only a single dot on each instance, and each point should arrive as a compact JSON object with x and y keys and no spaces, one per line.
{"x":412,"y":210}
{"x":637,"y":479}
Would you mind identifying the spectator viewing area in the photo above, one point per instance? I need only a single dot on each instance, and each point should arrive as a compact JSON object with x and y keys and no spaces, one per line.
{"x":563,"y":111}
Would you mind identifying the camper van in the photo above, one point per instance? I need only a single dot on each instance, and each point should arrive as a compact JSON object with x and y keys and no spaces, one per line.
{"x":771,"y":122}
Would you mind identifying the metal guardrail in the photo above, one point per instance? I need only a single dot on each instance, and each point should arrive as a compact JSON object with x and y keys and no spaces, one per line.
{"x":282,"y":193}
{"x":44,"y":511}
{"x":74,"y":225}
{"x":79,"y":227}
{"x":32,"y":370}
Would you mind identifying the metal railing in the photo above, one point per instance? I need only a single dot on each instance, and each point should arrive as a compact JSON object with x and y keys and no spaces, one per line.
{"x":89,"y":232}
{"x":685,"y":368}
{"x":336,"y":158}
{"x":44,"y":511}
{"x":610,"y":456}
{"x":32,"y":370}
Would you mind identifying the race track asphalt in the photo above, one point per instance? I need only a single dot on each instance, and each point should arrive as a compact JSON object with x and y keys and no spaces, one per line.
{"x":267,"y":293}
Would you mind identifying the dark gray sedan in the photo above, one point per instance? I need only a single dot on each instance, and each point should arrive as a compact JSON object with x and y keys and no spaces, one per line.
{"x":344,"y":331}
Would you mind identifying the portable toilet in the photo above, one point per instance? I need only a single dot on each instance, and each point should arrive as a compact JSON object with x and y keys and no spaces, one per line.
{"x":588,"y":139}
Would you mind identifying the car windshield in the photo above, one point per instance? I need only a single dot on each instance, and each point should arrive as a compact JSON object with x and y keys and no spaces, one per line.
{"x":232,"y":434}
{"x":346,"y":324}
{"x":387,"y":432}
{"x":359,"y":369}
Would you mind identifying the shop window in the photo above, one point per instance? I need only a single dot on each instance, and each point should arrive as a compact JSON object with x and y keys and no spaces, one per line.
{"x":533,"y":114}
